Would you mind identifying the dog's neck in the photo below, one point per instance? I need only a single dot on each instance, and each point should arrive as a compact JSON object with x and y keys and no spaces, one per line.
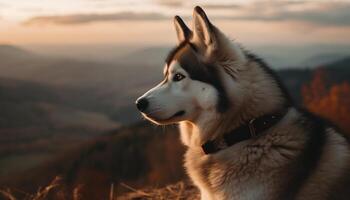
{"x":260,"y":97}
{"x":195,"y":134}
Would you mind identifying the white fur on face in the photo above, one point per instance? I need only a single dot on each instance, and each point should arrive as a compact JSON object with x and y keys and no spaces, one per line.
{"x":170,"y":97}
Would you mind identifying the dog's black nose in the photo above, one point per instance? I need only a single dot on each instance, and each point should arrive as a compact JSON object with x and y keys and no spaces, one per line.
{"x":142,"y":104}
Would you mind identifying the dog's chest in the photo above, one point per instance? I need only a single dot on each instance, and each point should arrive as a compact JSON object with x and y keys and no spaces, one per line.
{"x":225,"y":180}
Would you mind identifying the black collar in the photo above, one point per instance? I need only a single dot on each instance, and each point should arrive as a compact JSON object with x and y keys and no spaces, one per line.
{"x":247,"y":131}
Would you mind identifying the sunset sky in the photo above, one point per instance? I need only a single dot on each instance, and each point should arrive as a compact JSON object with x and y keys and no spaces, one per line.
{"x":60,"y":22}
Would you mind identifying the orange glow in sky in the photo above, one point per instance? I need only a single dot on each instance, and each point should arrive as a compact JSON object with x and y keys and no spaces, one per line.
{"x":150,"y":21}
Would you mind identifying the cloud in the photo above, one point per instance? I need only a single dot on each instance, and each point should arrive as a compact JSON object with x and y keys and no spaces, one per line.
{"x":171,"y":3}
{"x":319,"y":13}
{"x":221,"y":6}
{"x":316,"y":13}
{"x":89,"y":18}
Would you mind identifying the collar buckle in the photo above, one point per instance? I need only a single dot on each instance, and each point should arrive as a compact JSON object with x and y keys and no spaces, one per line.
{"x":252,"y":130}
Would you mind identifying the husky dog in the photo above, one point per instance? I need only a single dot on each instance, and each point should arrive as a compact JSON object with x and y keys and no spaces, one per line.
{"x":245,"y":139}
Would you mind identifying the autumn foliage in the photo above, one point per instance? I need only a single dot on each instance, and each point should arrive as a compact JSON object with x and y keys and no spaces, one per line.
{"x":329,"y":100}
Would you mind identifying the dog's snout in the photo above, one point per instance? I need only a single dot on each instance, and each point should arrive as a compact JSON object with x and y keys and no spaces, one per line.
{"x":142,"y":104}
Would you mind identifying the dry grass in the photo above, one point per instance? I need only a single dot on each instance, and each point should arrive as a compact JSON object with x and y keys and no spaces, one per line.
{"x":41,"y":194}
{"x":178,"y":191}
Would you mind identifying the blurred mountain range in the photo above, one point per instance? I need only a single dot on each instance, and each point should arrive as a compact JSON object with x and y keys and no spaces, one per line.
{"x":278,"y":56}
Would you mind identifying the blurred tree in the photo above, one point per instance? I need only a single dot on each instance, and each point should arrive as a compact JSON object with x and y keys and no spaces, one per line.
{"x":331,"y":101}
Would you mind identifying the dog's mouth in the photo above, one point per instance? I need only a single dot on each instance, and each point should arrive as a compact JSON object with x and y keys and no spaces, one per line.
{"x":166,"y":120}
{"x":178,"y":114}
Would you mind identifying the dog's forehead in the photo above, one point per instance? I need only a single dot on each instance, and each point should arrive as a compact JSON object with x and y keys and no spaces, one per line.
{"x":183,"y":56}
{"x":176,"y":52}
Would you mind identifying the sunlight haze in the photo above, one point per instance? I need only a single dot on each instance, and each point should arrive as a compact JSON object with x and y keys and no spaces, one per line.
{"x":146,"y":22}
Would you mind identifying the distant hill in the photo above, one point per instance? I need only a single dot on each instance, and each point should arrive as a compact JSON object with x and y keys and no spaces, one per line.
{"x":15,"y":60}
{"x":20,"y":98}
{"x":133,"y":155}
{"x":99,"y":83}
{"x":341,"y":64}
{"x":25,"y":65}
{"x":9,"y":51}
{"x":301,"y":56}
{"x":278,"y":56}
{"x":38,"y":121}
{"x":337,"y":72}
{"x":322,"y":59}
{"x":154,"y":56}
{"x":108,"y":88}
{"x":108,"y":53}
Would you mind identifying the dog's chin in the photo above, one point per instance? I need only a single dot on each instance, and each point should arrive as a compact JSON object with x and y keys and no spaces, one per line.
{"x":177,"y":117}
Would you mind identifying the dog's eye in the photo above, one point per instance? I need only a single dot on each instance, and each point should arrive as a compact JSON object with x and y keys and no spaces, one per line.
{"x":178,"y":77}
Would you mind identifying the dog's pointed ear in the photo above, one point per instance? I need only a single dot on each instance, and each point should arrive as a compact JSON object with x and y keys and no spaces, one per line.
{"x":210,"y":40}
{"x":182,"y":31}
{"x":203,"y":29}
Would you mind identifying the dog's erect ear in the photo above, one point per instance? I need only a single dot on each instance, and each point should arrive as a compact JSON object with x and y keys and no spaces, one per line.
{"x":182,"y":31}
{"x":211,"y":40}
{"x":203,"y":29}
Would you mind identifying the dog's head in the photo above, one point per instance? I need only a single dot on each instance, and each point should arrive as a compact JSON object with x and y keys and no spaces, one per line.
{"x":199,"y":75}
